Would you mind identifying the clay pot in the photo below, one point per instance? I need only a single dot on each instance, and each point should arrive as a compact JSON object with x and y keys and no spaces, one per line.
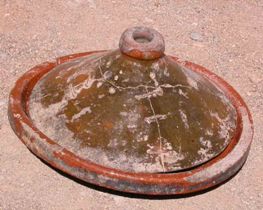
{"x":133,"y":119}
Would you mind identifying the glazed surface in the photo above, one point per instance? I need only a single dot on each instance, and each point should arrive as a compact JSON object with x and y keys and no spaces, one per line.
{"x":133,"y":115}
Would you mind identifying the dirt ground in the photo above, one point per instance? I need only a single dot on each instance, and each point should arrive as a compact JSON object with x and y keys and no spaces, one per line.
{"x":224,"y":36}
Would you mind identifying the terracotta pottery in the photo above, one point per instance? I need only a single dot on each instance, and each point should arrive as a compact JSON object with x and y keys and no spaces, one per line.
{"x":133,"y":119}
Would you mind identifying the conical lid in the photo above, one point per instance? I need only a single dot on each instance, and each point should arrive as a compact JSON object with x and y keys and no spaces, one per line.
{"x":134,"y":108}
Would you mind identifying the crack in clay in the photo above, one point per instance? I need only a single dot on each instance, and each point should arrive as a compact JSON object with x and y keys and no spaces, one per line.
{"x":157,"y":88}
{"x":159,"y":133}
{"x":156,"y":92}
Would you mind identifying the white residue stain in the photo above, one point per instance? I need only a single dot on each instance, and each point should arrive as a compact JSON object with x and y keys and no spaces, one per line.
{"x":112,"y":90}
{"x":99,"y":84}
{"x":165,"y":72}
{"x":82,"y":112}
{"x":205,"y":150}
{"x":73,"y":91}
{"x":153,"y":118}
{"x":116,"y":77}
{"x":129,"y":119}
{"x":225,"y":125}
{"x":108,"y":64}
{"x":156,"y":92}
{"x":192,"y":82}
{"x":133,"y":119}
{"x":115,"y":143}
{"x":145,"y":137}
{"x":101,"y":96}
{"x":153,"y":77}
{"x":141,"y":137}
{"x":205,"y":142}
{"x":156,"y":66}
{"x":126,"y":80}
{"x":209,"y":132}
{"x":166,"y":154}
{"x":184,"y":119}
{"x":124,"y":114}
{"x":88,"y":131}
{"x":182,"y":93}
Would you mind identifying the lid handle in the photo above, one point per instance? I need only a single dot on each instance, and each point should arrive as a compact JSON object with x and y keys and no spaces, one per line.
{"x":142,"y":43}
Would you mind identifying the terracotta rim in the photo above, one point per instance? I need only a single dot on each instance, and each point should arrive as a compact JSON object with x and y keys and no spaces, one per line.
{"x":199,"y":178}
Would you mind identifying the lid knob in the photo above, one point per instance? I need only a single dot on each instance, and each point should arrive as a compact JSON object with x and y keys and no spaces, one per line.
{"x":142,"y":43}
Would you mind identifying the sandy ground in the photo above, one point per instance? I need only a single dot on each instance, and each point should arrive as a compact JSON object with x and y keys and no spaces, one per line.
{"x":224,"y":36}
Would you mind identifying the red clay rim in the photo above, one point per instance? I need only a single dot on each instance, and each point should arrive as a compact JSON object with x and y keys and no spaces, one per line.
{"x":204,"y":176}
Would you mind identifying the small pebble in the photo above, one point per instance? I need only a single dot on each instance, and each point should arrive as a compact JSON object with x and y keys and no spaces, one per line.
{"x":196,"y":37}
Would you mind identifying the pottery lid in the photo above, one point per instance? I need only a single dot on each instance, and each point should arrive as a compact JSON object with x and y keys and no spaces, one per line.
{"x":134,"y":108}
